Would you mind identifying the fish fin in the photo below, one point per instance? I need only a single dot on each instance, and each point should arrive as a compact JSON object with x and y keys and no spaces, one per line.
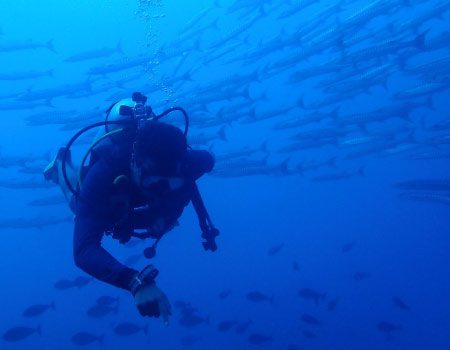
{"x":263,"y":148}
{"x":361,"y":172}
{"x":301,"y":102}
{"x":284,"y":167}
{"x":246,"y":92}
{"x":222,"y":134}
{"x":419,"y":41}
{"x":50,"y":46}
{"x":119,"y":47}
{"x":335,"y":114}
{"x":332,"y":162}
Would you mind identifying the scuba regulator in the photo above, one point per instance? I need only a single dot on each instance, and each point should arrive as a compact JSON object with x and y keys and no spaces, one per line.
{"x":134,"y":118}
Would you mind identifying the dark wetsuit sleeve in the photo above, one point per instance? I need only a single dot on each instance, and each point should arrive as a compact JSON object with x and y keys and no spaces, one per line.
{"x":91,"y":221}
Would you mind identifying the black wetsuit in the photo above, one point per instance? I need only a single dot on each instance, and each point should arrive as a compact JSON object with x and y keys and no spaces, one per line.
{"x":101,"y":207}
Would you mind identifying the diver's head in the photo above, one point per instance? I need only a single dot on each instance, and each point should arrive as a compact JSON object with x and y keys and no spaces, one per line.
{"x":159,"y":151}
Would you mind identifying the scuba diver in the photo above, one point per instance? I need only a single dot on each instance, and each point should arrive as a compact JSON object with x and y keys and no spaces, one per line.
{"x":140,"y":176}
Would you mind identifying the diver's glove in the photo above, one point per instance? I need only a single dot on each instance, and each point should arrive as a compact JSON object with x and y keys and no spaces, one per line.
{"x":150,"y":300}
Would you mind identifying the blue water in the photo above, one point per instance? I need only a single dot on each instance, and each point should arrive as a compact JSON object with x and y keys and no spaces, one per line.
{"x":401,"y":246}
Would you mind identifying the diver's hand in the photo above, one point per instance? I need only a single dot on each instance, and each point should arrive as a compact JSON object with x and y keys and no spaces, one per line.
{"x":152,"y":302}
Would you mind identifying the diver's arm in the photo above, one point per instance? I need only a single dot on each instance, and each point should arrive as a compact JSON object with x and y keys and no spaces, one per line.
{"x":91,"y":257}
{"x":91,"y":221}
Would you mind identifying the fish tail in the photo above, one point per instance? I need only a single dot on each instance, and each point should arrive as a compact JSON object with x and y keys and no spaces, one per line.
{"x":48,"y":103}
{"x":419,"y":41}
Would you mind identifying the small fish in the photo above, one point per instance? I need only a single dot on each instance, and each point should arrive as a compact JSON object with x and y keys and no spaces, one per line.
{"x":225,"y":293}
{"x":388,"y":328}
{"x":360,"y":276}
{"x":346,"y":248}
{"x":38,"y":309}
{"x":398,"y":303}
{"x":225,"y":326}
{"x":311,"y":320}
{"x":259,"y":297}
{"x":311,"y":294}
{"x":106,"y":300}
{"x":82,"y":281}
{"x":309,"y":335}
{"x":99,"y":310}
{"x":259,"y":339}
{"x":63,"y":284}
{"x":332,"y":304}
{"x":19,"y":333}
{"x":186,"y":308}
{"x":85,"y":338}
{"x":275,"y":249}
{"x":127,"y":328}
{"x":191,"y":320}
{"x":189,"y":340}
{"x":242,"y":327}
